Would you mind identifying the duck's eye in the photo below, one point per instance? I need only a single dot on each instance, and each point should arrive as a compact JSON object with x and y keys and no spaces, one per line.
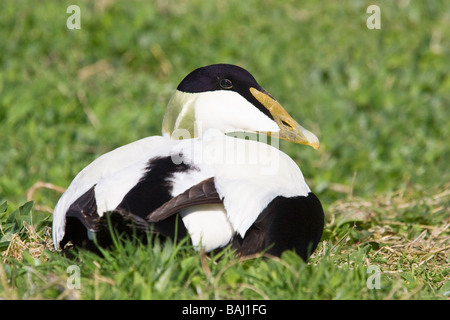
{"x":225,"y":84}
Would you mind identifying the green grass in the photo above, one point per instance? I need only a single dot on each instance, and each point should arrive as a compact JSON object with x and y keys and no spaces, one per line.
{"x":378,"y":100}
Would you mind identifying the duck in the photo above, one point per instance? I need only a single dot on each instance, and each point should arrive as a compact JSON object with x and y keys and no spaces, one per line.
{"x":213,"y":176}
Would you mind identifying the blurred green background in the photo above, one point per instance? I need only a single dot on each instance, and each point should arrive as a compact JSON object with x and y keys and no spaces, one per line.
{"x":379,"y":100}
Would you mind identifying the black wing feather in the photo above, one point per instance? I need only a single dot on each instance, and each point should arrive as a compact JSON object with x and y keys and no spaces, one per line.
{"x":202,"y":193}
{"x":85,"y":209}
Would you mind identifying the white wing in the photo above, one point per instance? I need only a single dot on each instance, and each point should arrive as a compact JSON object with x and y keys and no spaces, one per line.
{"x":104,"y":166}
{"x":249,"y":175}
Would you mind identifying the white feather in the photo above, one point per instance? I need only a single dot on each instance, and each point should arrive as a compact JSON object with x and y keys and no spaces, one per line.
{"x":241,"y":177}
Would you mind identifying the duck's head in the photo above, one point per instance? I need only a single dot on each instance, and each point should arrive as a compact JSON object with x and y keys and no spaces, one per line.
{"x":227,"y":98}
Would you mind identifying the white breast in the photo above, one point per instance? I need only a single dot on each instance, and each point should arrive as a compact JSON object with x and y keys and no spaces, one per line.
{"x":248,"y":175}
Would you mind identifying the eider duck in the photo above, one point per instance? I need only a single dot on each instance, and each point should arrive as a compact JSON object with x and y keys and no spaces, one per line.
{"x":198,"y":179}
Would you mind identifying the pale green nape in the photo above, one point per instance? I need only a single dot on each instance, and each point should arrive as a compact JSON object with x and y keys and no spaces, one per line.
{"x":180,"y":114}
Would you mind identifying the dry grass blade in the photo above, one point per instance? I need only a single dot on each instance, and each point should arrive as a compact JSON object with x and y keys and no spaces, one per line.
{"x":43,"y":185}
{"x":33,"y":243}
